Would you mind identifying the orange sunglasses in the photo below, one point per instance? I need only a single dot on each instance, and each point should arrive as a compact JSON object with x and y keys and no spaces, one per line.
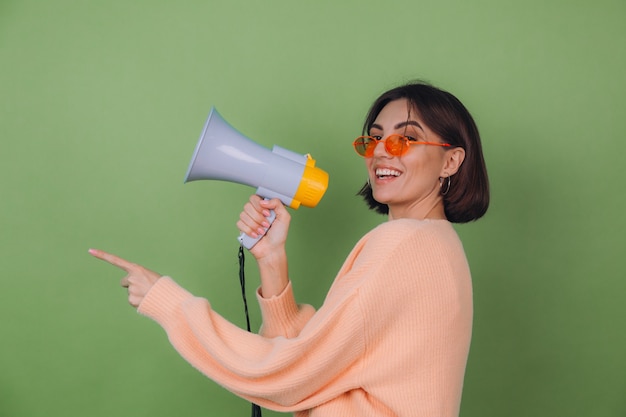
{"x":395,"y":145}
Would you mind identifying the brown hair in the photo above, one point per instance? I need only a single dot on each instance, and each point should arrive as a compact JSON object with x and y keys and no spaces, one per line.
{"x":468,"y":196}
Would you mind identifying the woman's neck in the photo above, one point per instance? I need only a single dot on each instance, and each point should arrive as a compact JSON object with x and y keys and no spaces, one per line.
{"x":425,"y":209}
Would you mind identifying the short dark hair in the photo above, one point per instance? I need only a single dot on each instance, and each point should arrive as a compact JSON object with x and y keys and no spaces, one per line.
{"x":468,"y":196}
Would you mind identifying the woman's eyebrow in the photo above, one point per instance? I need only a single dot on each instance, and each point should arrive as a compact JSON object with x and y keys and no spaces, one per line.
{"x":408,"y":123}
{"x":399,"y":125}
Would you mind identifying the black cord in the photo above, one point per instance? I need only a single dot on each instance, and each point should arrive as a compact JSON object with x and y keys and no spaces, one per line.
{"x":242,"y":282}
{"x":256,"y":410}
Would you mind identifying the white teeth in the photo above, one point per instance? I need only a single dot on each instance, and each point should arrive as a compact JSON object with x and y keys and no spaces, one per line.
{"x":384,"y":172}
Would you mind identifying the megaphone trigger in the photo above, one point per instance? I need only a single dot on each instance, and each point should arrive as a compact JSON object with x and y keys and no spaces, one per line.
{"x":247,"y":241}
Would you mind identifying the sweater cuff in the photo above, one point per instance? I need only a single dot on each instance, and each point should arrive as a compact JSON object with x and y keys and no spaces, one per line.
{"x":278,"y":312}
{"x":163,"y":300}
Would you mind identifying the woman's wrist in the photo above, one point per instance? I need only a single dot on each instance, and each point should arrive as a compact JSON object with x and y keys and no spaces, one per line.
{"x":274,"y":273}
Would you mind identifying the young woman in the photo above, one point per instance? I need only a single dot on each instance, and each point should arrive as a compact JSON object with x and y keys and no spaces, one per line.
{"x":393,"y":334}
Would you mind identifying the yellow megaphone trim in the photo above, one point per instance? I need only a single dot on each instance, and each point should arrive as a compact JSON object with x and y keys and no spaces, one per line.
{"x":312,"y":186}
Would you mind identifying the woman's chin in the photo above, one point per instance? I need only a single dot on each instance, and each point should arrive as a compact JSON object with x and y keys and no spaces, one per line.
{"x":381,"y":198}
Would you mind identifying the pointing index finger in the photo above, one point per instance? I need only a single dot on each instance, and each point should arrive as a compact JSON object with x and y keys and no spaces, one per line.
{"x":112,"y":259}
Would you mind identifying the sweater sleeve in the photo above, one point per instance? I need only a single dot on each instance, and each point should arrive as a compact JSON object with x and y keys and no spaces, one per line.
{"x":281,"y":315}
{"x":278,"y":373}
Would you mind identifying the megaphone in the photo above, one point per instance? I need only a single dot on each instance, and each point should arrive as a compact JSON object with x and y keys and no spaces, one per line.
{"x":223,"y":153}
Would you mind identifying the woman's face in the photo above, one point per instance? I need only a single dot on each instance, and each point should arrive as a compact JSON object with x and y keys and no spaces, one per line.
{"x":409,"y":184}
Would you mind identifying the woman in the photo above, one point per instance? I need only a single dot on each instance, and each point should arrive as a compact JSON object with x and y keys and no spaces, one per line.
{"x":393,"y":335}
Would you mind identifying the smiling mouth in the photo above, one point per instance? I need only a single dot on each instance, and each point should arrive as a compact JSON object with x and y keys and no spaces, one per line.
{"x":385,"y":173}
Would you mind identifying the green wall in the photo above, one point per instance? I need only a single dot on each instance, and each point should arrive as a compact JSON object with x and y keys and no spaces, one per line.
{"x":101,"y":104}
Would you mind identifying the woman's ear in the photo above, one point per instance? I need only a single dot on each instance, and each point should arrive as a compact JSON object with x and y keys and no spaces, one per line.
{"x":453,"y":160}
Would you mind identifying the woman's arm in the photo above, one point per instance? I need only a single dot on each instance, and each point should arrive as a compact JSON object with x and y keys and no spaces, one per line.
{"x":278,"y":373}
{"x":269,"y":252}
{"x":282,"y":316}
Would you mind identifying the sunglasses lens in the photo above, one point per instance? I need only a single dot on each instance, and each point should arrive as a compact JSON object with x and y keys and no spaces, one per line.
{"x":365,"y":146}
{"x":395,"y":145}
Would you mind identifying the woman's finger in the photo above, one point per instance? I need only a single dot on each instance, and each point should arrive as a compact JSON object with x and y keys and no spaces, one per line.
{"x":112,"y":259}
{"x":255,"y":208}
{"x":276,"y":205}
{"x":125,"y":282}
{"x":253,"y":219}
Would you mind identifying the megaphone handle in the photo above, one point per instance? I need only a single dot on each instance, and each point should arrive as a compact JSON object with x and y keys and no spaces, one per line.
{"x":247,"y":241}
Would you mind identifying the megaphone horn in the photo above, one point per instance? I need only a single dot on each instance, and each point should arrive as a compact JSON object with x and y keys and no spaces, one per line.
{"x":223,"y":153}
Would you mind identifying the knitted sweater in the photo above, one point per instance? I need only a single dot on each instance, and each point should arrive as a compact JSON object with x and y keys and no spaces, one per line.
{"x":391,"y":338}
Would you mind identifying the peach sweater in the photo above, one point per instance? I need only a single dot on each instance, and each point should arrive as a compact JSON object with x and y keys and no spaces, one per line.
{"x":391,"y":338}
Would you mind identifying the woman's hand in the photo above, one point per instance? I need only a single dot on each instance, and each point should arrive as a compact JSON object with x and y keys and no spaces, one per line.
{"x":138,"y":280}
{"x":253,"y":222}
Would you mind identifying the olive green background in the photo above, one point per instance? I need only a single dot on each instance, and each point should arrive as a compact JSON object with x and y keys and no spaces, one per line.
{"x":101,"y":105}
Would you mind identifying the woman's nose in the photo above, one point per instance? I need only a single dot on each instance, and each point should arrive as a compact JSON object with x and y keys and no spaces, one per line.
{"x":380,"y":150}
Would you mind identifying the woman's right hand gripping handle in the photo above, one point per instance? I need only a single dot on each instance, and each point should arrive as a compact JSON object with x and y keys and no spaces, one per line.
{"x":269,"y":252}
